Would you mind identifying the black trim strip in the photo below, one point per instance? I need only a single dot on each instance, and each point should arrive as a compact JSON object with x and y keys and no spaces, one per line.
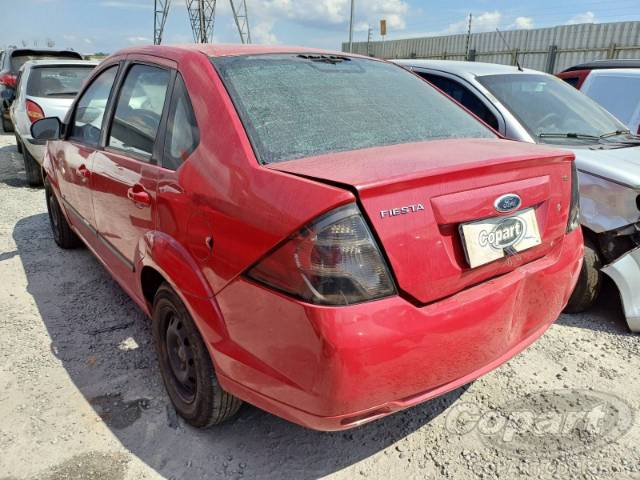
{"x":100,"y":237}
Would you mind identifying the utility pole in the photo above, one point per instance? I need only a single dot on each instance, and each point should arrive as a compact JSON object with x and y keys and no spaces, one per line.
{"x":351,"y":27}
{"x":466,"y":57}
{"x":369,"y":33}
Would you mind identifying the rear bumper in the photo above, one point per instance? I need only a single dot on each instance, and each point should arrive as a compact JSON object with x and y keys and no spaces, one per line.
{"x":625,"y":272}
{"x":337,"y":368}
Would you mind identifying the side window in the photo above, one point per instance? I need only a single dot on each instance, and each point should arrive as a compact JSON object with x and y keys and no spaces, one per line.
{"x":464,"y":96}
{"x":182,"y":130}
{"x":573,"y":81}
{"x":87,"y":119}
{"x":139,"y":110}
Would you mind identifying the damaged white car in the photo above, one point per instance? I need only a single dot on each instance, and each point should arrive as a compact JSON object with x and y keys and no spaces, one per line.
{"x":530,"y":106}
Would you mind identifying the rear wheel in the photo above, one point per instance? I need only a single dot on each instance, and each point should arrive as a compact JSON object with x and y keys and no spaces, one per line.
{"x":186,"y":366}
{"x":32,"y":169}
{"x":589,"y":283}
{"x":62,"y":233}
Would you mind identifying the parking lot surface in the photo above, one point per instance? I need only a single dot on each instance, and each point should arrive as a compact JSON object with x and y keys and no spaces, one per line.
{"x":81,"y":396}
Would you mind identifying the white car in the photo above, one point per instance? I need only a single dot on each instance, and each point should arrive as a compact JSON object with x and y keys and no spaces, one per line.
{"x":617,"y":90}
{"x":531,"y":106}
{"x":44,"y":88}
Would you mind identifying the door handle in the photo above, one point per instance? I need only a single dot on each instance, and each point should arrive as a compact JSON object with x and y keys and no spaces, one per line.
{"x":83,"y":171}
{"x":137,"y":194}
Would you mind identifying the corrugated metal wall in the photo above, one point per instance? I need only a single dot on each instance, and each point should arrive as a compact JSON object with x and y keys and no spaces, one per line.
{"x":548,"y":49}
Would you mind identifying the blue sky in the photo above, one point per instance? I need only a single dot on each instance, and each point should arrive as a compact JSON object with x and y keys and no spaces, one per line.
{"x":106,"y":25}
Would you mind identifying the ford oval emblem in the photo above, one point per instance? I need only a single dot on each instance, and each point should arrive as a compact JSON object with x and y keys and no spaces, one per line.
{"x":507,"y":203}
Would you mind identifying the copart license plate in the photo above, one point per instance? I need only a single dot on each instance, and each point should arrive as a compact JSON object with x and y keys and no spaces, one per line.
{"x":493,"y":238}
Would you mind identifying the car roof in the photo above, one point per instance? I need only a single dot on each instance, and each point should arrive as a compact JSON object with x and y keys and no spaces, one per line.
{"x":465,"y":69}
{"x":54,"y":62}
{"x":605,"y":64}
{"x":610,"y":72}
{"x":225,"y":50}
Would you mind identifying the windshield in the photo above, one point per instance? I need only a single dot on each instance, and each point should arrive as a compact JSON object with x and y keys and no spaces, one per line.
{"x":545,"y":105}
{"x":295,"y":106}
{"x":56,"y":81}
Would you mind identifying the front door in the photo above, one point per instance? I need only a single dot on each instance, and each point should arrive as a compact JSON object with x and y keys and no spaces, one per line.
{"x":75,"y":157}
{"x":125,"y":173}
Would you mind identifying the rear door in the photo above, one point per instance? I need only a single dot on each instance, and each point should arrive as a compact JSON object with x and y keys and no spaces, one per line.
{"x":125,"y":173}
{"x":75,"y":157}
{"x":467,"y":98}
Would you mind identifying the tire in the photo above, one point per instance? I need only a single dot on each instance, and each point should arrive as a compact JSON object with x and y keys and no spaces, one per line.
{"x":7,"y":126}
{"x":185,"y":364}
{"x":32,"y":169}
{"x":62,"y":233}
{"x":19,"y":144}
{"x":589,"y":282}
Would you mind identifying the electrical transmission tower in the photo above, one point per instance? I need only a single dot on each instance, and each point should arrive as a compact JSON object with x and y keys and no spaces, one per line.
{"x":239,"y":8}
{"x":202,"y":16}
{"x":160,"y":12}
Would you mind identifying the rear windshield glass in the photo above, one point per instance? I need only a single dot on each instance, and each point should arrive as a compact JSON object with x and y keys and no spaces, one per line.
{"x":295,"y":106}
{"x":56,"y":81}
{"x":18,"y":59}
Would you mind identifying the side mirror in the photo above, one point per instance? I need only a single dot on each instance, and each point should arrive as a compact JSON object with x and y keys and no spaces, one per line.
{"x":45,"y":129}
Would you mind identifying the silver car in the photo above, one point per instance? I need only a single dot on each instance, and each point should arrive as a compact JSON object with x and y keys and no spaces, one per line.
{"x":44,"y":88}
{"x":530,"y":106}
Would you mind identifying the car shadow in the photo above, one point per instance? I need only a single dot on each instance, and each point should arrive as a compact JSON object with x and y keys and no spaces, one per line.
{"x":12,"y":171}
{"x":606,"y":315}
{"x":105,"y":345}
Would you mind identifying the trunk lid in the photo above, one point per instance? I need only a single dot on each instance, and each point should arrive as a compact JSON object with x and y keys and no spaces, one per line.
{"x":416,"y":196}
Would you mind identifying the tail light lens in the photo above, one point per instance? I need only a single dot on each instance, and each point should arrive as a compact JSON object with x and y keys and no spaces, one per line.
{"x":574,"y":211}
{"x":34,"y":112}
{"x":8,"y":80}
{"x":332,"y":261}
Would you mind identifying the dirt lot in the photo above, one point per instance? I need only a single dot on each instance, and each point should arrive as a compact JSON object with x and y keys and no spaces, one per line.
{"x":81,"y":396}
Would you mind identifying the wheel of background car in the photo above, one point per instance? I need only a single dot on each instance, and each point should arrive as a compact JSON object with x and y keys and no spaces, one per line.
{"x":7,"y":126}
{"x":18,"y":144}
{"x":32,"y":169}
{"x":589,"y":283}
{"x":62,"y":233}
{"x":186,"y":366}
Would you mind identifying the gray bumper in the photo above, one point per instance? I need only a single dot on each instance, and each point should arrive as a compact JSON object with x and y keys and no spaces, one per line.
{"x":625,"y":272}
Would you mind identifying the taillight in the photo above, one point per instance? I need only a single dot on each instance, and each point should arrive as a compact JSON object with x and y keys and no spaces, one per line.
{"x":34,"y":112}
{"x":574,"y":210}
{"x":332,"y":261}
{"x":8,"y":80}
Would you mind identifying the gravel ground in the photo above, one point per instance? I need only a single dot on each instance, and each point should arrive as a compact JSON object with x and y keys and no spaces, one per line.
{"x":81,"y":396}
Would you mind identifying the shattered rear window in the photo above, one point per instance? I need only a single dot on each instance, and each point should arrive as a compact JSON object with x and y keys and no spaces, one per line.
{"x":295,"y":106}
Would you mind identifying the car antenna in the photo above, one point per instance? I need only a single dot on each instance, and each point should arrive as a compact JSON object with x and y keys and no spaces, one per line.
{"x":509,"y":47}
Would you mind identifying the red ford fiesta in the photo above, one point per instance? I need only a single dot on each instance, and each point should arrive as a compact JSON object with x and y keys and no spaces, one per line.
{"x":322,"y":235}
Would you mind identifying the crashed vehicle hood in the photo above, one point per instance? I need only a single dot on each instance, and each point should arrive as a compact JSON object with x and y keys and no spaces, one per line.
{"x":621,"y":165}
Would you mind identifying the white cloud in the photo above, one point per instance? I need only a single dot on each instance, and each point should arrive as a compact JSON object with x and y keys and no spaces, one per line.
{"x":324,"y":14}
{"x":586,"y":17}
{"x":484,"y":22}
{"x":523,"y":23}
{"x":138,"y":39}
{"x":262,"y":32}
{"x":127,"y":5}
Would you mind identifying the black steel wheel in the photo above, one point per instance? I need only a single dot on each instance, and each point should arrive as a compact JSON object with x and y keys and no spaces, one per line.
{"x":185,"y":364}
{"x":62,"y":233}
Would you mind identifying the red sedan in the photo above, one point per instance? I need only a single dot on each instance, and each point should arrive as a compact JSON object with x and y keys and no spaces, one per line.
{"x":322,"y":235}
